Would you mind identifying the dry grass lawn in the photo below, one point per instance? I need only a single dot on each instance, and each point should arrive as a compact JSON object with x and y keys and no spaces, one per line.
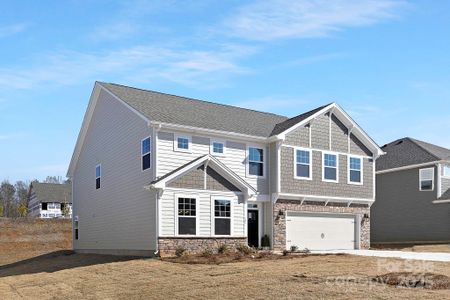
{"x":35,"y":263}
{"x":76,"y":276}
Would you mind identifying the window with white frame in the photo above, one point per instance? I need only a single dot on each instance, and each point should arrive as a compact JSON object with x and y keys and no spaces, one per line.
{"x":98,"y":175}
{"x":426,"y":179}
{"x":303,"y":164}
{"x":330,"y":167}
{"x":182,"y":143}
{"x":146,"y":147}
{"x":217,"y":147}
{"x":222,"y":217}
{"x":446,"y":171}
{"x":355,"y":170}
{"x":255,"y":161}
{"x":187,"y":220}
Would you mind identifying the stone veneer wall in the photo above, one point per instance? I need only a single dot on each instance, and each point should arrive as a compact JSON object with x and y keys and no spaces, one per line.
{"x":196,"y":245}
{"x":279,"y":242}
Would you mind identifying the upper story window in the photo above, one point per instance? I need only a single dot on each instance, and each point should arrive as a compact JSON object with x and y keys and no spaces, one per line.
{"x":426,"y":179}
{"x":222,"y":217}
{"x":146,"y":147}
{"x":217,"y":147}
{"x":255,"y":161}
{"x":303,"y":164}
{"x":330,"y":167}
{"x":187,"y":220}
{"x":98,"y":175}
{"x":446,"y":171}
{"x":182,"y":143}
{"x":355,"y":170}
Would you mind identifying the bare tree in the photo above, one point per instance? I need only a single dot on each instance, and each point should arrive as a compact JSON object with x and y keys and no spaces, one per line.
{"x":7,"y":192}
{"x":53,"y":179}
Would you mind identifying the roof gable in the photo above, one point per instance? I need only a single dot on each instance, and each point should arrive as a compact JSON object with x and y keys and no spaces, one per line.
{"x":211,"y":162}
{"x":407,"y":151}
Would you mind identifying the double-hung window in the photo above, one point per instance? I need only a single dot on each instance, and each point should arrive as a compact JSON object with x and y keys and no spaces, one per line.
{"x":182,"y":143}
{"x":426,"y":179}
{"x":355,"y":170}
{"x":98,"y":175}
{"x":146,"y":147}
{"x":222,"y":217}
{"x":217,"y":148}
{"x":303,"y":164}
{"x":330,"y":167}
{"x":255,"y":161}
{"x":446,"y":171}
{"x":187,"y":220}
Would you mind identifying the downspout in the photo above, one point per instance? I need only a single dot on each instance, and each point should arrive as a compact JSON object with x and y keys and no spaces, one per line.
{"x":156,"y":128}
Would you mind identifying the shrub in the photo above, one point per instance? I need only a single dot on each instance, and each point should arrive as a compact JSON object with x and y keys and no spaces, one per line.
{"x":180,"y":251}
{"x":285,"y":252}
{"x":208,"y":252}
{"x":222,"y":249}
{"x":294,"y":248}
{"x":265,"y":241}
{"x":244,"y":249}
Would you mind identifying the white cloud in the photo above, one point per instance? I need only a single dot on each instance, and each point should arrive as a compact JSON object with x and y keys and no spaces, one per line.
{"x":12,"y":29}
{"x":281,"y":19}
{"x":139,"y":63}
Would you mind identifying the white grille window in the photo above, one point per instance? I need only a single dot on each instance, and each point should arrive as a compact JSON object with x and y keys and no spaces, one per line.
{"x":426,"y":179}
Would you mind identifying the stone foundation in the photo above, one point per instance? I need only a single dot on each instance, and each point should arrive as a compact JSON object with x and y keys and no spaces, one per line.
{"x":281,"y":206}
{"x":196,"y":245}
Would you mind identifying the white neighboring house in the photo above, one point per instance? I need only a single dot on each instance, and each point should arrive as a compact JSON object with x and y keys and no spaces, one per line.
{"x":152,"y":172}
{"x":50,"y":200}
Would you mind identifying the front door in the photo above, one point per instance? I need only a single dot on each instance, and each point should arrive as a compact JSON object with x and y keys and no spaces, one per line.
{"x":252,"y":226}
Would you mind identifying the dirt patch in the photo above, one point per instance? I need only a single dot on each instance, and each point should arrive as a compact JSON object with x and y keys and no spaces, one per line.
{"x":27,"y":238}
{"x":411,"y":280}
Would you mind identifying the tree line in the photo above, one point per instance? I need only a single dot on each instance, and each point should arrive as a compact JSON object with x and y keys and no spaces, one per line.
{"x":14,"y":197}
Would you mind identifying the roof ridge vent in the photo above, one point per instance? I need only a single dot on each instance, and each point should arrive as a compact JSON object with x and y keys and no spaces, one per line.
{"x":399,"y":142}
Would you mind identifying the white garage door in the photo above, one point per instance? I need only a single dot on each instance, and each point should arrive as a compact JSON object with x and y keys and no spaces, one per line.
{"x":320,"y":231}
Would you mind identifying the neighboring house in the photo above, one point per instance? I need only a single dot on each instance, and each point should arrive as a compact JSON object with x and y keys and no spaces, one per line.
{"x":413,"y":194}
{"x":50,"y":200}
{"x":153,"y":172}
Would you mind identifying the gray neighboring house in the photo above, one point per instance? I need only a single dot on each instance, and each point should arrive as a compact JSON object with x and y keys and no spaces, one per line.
{"x":413,"y":194}
{"x":50,"y":200}
{"x":152,"y":172}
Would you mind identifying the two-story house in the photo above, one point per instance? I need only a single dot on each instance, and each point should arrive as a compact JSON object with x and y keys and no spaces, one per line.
{"x":50,"y":200}
{"x":153,"y":172}
{"x":413,"y":194}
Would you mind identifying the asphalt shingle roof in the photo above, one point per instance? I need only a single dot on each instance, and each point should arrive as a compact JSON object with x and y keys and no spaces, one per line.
{"x":173,"y":109}
{"x":408,"y":151}
{"x":52,"y":192}
{"x":280,"y":127}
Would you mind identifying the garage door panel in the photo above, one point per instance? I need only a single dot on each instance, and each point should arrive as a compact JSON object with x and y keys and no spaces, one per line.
{"x":320,"y":232}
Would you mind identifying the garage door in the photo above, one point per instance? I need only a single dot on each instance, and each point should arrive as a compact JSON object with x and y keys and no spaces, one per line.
{"x":320,"y":231}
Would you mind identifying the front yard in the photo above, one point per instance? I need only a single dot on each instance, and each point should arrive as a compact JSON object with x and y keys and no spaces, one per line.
{"x":75,"y":276}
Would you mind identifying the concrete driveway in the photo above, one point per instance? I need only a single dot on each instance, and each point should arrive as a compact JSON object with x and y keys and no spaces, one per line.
{"x":429,"y":256}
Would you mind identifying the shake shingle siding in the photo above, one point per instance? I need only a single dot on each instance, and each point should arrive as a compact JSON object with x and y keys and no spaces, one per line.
{"x":316,"y":186}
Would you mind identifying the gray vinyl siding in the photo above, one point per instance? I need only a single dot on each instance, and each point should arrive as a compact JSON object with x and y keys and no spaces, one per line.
{"x":121,"y":215}
{"x":235,"y":157}
{"x":403,"y":213}
{"x":320,"y":141}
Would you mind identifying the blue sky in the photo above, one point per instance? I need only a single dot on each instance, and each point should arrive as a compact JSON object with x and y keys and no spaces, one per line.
{"x":386,"y":62}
